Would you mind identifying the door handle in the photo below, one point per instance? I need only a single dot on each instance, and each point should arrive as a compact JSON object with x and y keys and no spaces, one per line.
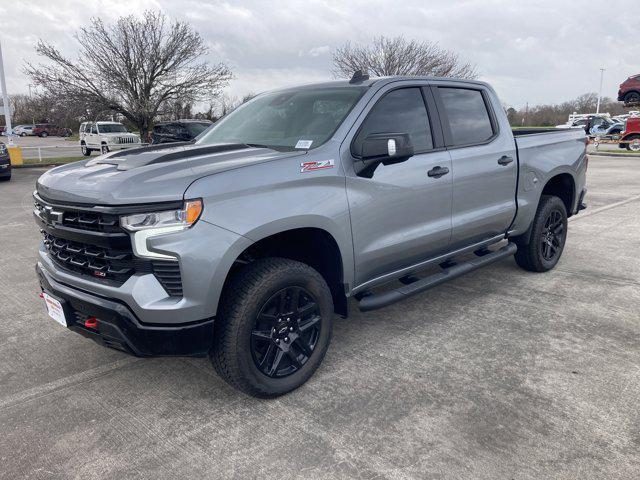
{"x":504,"y":160}
{"x":437,"y":172}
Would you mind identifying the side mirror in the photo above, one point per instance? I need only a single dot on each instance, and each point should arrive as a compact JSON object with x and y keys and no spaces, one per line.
{"x":383,"y":148}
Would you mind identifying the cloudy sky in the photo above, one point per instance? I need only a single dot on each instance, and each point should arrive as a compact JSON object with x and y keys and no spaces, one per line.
{"x":540,"y":51}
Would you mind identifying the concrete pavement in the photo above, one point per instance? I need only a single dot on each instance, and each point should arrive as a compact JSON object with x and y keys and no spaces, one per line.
{"x":499,"y":374}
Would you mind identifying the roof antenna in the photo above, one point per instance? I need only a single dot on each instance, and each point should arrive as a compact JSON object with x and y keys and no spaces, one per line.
{"x":359,"y":77}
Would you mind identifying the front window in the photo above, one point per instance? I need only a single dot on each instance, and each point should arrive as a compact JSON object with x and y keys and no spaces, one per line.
{"x":112,"y":128}
{"x":294,"y":119}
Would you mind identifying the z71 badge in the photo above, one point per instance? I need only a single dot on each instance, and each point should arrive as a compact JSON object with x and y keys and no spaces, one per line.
{"x":311,"y":166}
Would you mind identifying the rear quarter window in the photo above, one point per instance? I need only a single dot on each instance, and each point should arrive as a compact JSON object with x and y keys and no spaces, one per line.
{"x":467,"y":114}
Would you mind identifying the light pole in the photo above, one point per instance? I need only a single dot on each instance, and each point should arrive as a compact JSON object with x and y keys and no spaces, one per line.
{"x":5,"y":101}
{"x":600,"y":92}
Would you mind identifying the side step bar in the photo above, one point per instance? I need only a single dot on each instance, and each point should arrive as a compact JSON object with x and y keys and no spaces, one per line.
{"x":412,"y":285}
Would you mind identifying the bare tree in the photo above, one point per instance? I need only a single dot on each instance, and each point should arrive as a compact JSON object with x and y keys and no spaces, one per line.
{"x":134,"y":67}
{"x":398,"y":56}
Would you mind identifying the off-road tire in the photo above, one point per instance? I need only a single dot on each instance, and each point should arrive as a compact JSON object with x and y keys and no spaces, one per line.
{"x":632,"y":98}
{"x":246,"y":293}
{"x":630,"y":139}
{"x":530,"y":250}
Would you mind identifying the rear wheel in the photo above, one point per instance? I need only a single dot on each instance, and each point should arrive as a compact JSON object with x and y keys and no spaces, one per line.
{"x":634,"y":143}
{"x":274,"y":327}
{"x":44,"y":135}
{"x":541,"y":251}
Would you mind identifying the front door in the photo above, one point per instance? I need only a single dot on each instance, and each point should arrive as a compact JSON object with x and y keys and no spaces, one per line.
{"x":400,"y":214}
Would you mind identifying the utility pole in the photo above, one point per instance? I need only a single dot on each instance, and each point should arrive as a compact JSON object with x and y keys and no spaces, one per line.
{"x":600,"y":91}
{"x":5,"y":101}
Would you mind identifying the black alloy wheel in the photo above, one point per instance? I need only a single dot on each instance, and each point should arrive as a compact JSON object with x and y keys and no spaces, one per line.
{"x":553,"y":233}
{"x":286,"y":332}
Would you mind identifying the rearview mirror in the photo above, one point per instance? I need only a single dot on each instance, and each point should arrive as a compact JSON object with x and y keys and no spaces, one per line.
{"x":383,"y":148}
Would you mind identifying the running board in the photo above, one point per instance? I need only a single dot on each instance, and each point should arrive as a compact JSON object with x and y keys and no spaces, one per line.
{"x":412,"y":285}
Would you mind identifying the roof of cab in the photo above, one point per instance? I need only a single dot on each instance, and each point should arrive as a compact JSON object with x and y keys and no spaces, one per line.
{"x":376,"y":80}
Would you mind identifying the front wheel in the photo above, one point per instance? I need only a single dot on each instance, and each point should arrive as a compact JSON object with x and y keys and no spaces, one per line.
{"x":104,"y":149}
{"x":632,"y":98}
{"x":542,"y":250}
{"x":85,"y":151}
{"x":274,"y":327}
{"x":44,"y":135}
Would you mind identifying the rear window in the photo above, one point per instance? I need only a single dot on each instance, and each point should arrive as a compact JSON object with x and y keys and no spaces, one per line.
{"x":195,"y":128}
{"x":468,"y":116}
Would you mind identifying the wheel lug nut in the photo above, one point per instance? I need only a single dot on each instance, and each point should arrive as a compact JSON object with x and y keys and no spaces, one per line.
{"x":277,"y":340}
{"x":286,"y":339}
{"x":291,"y":329}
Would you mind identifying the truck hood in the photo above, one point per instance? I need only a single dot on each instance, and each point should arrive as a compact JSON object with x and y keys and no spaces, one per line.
{"x":147,"y":175}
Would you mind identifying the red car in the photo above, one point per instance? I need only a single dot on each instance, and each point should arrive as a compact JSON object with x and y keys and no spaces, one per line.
{"x":46,"y":129}
{"x":631,"y":135}
{"x":629,"y":92}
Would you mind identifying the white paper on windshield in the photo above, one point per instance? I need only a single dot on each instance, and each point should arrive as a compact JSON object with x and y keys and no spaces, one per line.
{"x":304,"y":144}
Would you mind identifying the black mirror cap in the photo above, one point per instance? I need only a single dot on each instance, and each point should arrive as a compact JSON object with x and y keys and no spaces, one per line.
{"x":387,"y":147}
{"x":378,"y":148}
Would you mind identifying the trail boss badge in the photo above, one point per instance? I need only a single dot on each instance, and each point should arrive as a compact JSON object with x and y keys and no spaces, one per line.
{"x":311,"y":166}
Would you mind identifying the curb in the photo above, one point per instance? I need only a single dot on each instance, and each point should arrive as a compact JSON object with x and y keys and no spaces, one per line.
{"x":619,"y":155}
{"x":37,"y":165}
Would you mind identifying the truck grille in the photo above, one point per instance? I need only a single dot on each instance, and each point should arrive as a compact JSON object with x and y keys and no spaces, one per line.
{"x":91,"y":260}
{"x":88,"y":254}
{"x":127,"y":140}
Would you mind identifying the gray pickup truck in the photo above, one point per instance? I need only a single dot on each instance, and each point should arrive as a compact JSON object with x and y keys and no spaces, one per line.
{"x":245,"y":243}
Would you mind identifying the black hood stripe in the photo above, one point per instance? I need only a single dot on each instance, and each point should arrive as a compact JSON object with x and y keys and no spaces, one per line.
{"x":196,"y":152}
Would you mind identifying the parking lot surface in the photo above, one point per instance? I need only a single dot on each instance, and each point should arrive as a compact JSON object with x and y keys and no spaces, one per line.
{"x":499,"y":374}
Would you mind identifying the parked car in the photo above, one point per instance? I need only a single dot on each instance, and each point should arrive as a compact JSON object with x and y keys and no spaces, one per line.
{"x":24,"y":130}
{"x":629,"y":91}
{"x":5,"y":163}
{"x":244,"y":244}
{"x":105,"y":136}
{"x":630,"y":137}
{"x":178,"y":131}
{"x":49,"y":129}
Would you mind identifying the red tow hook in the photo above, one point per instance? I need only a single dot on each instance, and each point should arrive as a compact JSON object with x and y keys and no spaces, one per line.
{"x":41,"y":295}
{"x":91,"y":322}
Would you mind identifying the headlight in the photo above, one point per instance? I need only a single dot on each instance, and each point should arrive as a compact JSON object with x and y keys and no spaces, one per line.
{"x":147,"y":225}
{"x":183,"y":218}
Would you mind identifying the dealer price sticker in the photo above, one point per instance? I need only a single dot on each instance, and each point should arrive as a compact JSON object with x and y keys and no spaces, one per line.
{"x":54,"y":309}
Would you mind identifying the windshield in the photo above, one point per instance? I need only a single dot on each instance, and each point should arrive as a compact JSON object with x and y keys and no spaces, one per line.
{"x":295,"y":119}
{"x":111,"y":128}
{"x":196,"y":129}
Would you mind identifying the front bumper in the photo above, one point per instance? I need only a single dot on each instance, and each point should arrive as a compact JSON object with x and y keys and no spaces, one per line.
{"x":117,"y":326}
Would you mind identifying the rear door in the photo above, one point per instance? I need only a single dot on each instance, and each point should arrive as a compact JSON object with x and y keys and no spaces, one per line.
{"x":400,"y":214}
{"x":483,"y":160}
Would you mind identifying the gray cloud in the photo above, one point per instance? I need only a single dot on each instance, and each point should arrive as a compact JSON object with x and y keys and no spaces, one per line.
{"x":537,"y":52}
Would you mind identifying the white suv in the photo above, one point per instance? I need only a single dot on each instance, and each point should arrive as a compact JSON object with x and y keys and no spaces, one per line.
{"x":105,"y":136}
